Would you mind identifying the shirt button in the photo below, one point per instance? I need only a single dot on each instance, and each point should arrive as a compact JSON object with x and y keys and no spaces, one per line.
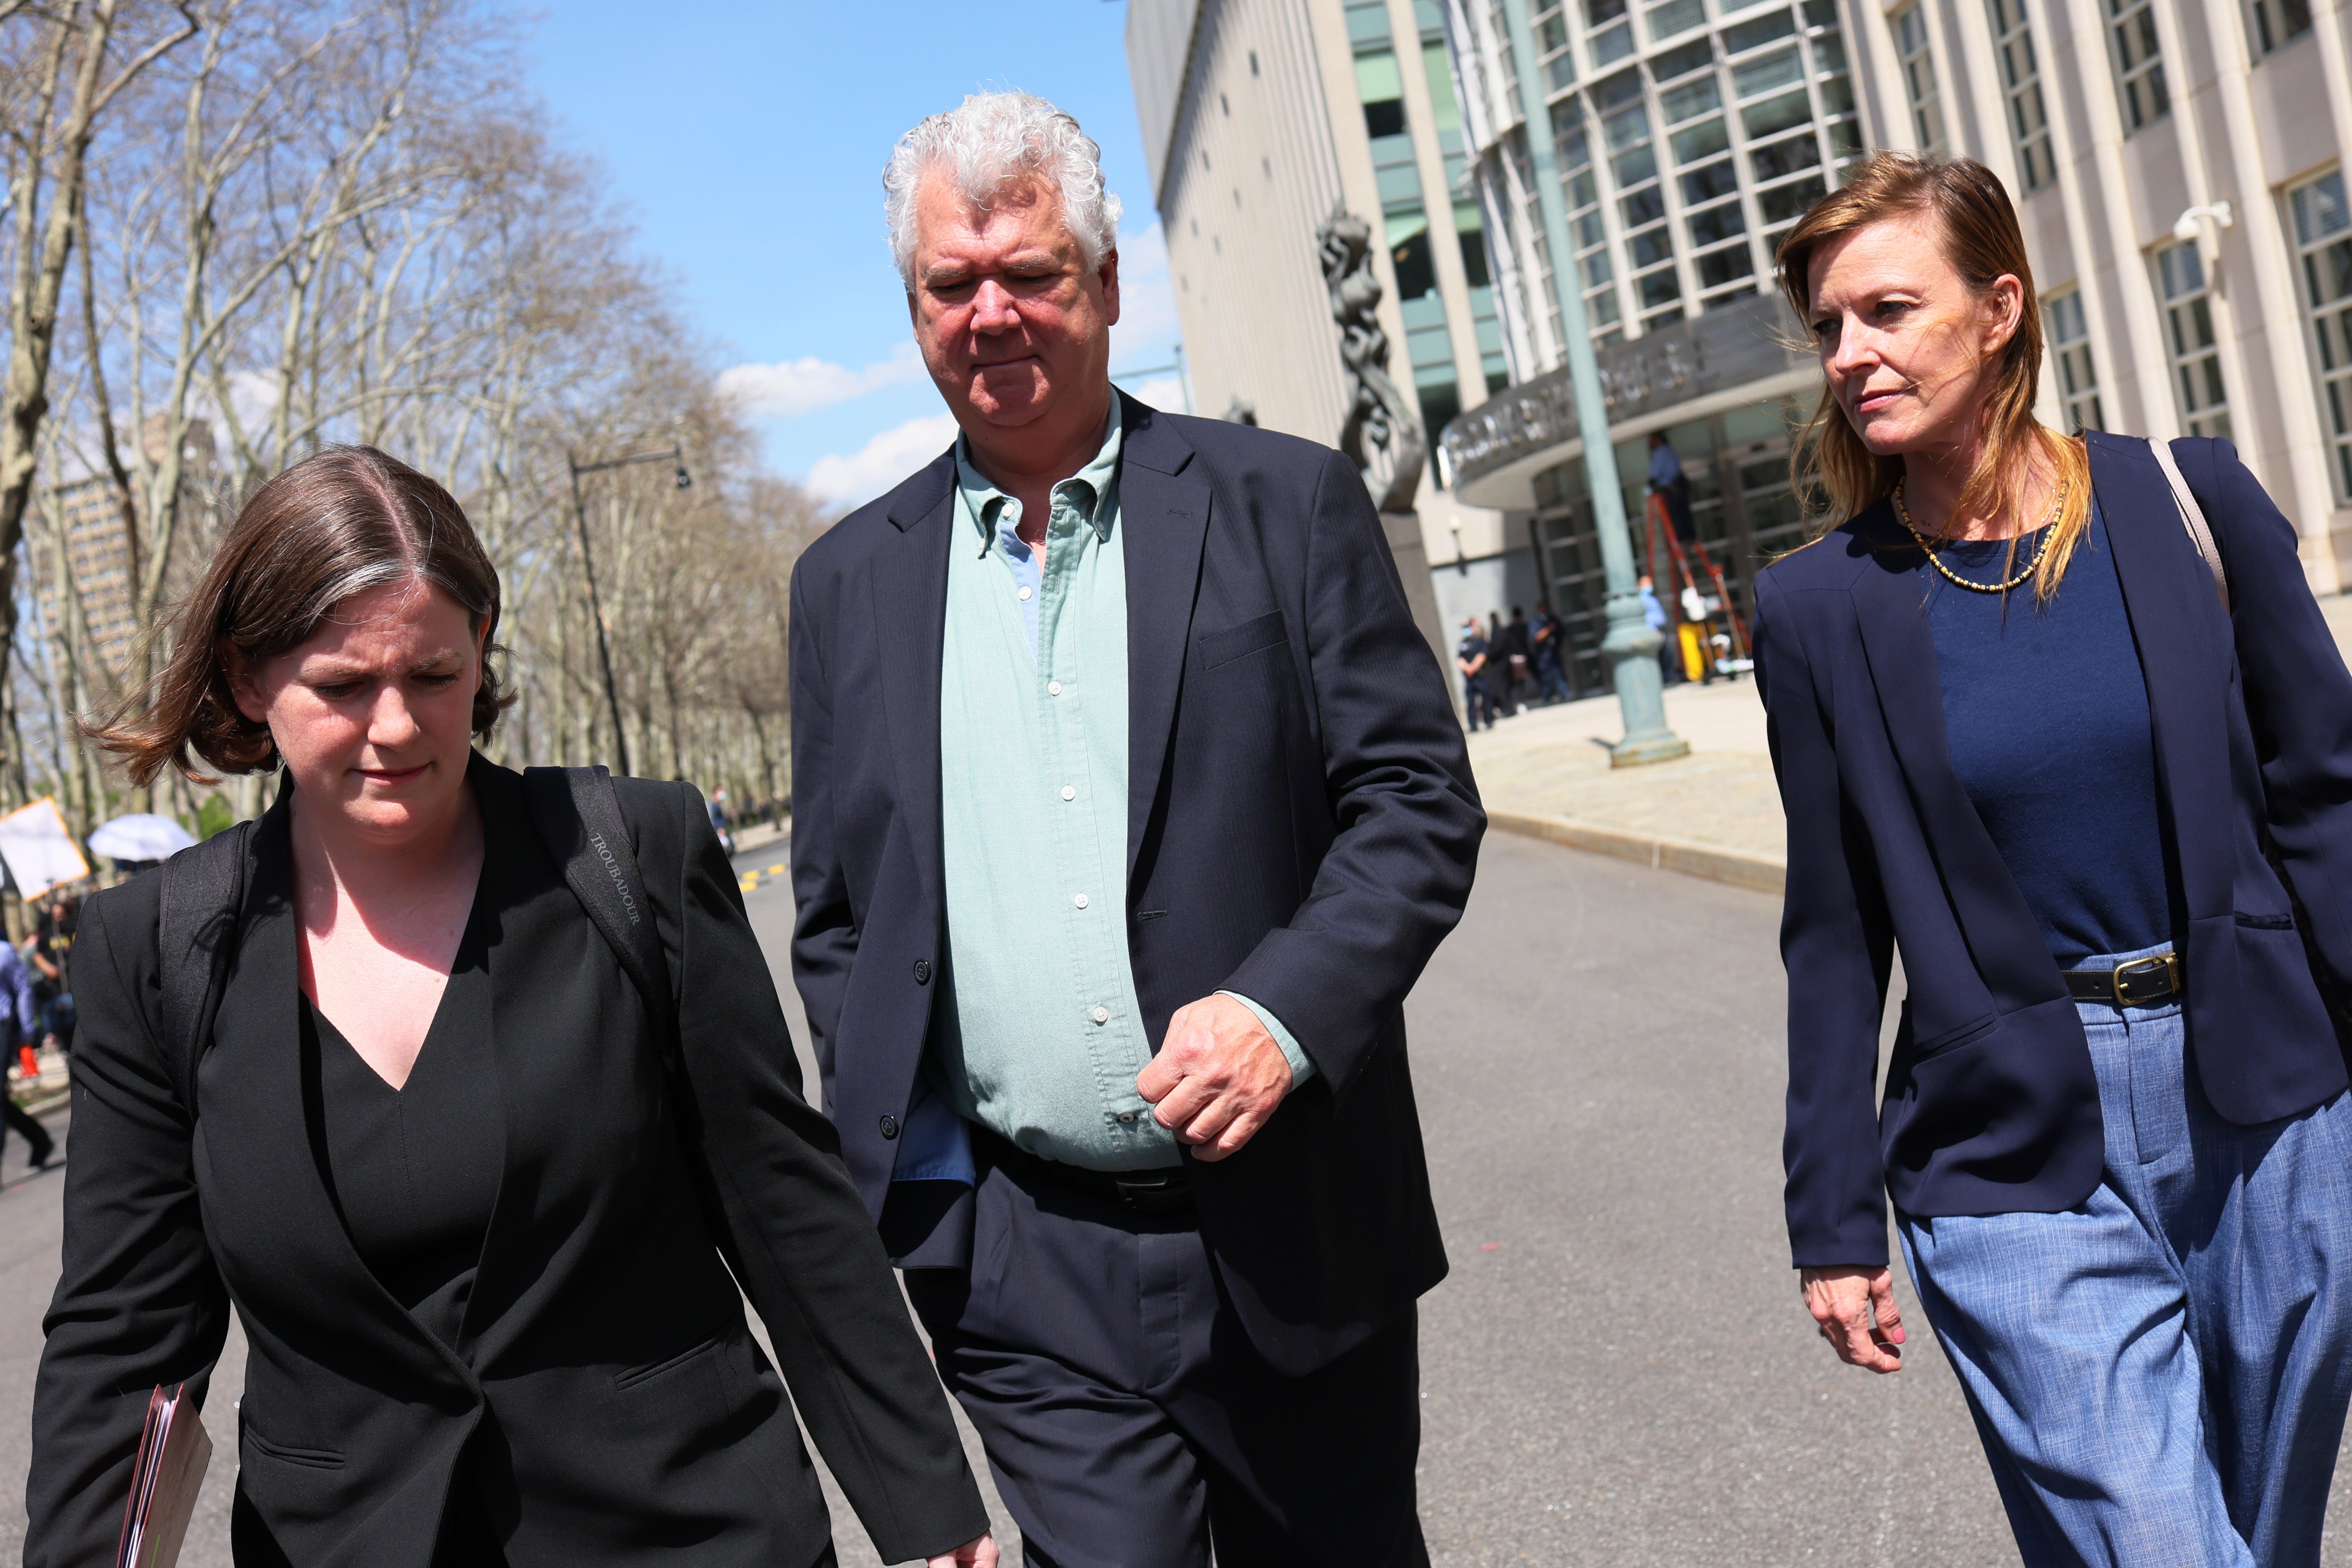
{"x":923,"y":971}
{"x":889,"y":1127}
{"x":1025,"y":593}
{"x":1081,"y":901}
{"x":1053,"y":688}
{"x":1126,"y":1118}
{"x":1102,"y":1015}
{"x":1069,"y":793}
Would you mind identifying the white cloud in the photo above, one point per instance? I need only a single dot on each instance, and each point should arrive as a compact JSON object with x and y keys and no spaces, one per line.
{"x":1161,"y":391}
{"x":882,"y":461}
{"x":792,"y":387}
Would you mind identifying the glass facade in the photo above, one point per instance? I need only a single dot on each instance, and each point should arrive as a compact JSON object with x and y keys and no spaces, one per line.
{"x":1687,"y":136}
{"x":2189,"y":338}
{"x":2323,"y":236}
{"x":1742,"y":511}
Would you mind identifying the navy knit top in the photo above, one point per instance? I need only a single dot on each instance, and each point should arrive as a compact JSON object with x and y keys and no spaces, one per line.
{"x":2046,"y":712}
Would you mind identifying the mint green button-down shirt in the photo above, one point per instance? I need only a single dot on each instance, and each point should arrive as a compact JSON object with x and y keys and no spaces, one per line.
{"x":1042,"y":1037}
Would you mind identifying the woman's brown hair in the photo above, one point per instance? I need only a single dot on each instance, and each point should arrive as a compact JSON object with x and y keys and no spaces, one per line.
{"x":335,"y":525}
{"x":1981,"y":240}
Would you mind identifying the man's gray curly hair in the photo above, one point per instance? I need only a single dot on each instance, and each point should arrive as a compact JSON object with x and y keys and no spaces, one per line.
{"x":983,"y":144}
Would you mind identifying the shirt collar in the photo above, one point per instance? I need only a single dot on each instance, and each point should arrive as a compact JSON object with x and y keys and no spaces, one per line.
{"x":986,"y":503}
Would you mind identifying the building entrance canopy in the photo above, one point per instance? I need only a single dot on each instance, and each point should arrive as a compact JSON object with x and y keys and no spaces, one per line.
{"x":1743,"y":352}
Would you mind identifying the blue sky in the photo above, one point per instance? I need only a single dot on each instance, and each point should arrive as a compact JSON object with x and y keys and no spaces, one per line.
{"x":747,"y":141}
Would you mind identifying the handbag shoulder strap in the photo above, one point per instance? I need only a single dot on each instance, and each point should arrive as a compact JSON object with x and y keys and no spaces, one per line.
{"x":2192,"y":517}
{"x":202,"y":894}
{"x":578,"y":815}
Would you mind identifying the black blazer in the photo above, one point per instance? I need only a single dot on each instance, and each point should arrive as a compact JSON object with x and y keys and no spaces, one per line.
{"x":607,"y":1396}
{"x":1991,"y":1103}
{"x":1301,"y":829}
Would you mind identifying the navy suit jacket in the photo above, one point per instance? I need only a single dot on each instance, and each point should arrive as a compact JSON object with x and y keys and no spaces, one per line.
{"x":1301,"y":829}
{"x":1990,"y":1106}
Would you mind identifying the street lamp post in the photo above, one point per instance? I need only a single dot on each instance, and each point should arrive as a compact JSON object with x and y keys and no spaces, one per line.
{"x":588,"y":569}
{"x":1631,"y":646}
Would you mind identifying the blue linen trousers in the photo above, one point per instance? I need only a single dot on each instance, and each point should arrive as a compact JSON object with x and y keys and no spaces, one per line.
{"x":2159,"y":1375}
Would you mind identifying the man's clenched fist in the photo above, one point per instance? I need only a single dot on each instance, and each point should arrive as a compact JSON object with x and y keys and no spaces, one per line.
{"x":1218,"y":1076}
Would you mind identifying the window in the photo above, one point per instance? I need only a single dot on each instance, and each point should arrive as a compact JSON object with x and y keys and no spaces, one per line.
{"x":1409,"y":252}
{"x":1588,"y":231}
{"x":1382,"y":89}
{"x":1612,"y":31}
{"x":2188,"y":333}
{"x":2021,"y":82}
{"x":1919,"y":76}
{"x":1642,"y":201}
{"x":1498,"y":28}
{"x":1674,"y":17}
{"x":2070,"y":349}
{"x":2278,"y":23}
{"x":1558,"y":65}
{"x":2140,"y":63}
{"x":2323,"y":233}
{"x":1531,"y":218}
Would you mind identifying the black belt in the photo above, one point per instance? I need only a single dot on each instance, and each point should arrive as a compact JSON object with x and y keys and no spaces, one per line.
{"x":2142,"y":983}
{"x":1166,"y":1189}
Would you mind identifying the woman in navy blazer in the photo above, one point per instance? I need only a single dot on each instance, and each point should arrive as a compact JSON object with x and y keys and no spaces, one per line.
{"x":2096,"y":786}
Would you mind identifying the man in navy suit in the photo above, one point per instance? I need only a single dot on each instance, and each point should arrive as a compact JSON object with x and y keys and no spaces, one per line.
{"x":1128,"y":806}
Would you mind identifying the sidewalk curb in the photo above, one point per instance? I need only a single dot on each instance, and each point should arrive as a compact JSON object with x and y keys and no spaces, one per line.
{"x":1762,"y":874}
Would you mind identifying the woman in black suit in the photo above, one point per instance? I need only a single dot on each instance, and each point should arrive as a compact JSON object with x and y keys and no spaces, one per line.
{"x":477,"y":1233}
{"x":2087,"y":763}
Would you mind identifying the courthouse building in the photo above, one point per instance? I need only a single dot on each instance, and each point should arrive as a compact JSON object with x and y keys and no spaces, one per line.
{"x":1263,"y":117}
{"x":2176,"y":166}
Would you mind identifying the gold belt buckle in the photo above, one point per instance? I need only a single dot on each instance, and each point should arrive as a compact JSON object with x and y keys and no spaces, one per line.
{"x":2166,"y":963}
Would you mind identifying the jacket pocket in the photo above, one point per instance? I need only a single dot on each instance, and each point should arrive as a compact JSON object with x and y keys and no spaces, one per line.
{"x":1240,"y":641}
{"x":653,"y":1369}
{"x":1953,"y":1038}
{"x":313,"y":1459}
{"x":2265,"y":922}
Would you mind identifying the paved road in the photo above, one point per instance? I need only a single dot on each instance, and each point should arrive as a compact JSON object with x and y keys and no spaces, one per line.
{"x":1618,"y":1373}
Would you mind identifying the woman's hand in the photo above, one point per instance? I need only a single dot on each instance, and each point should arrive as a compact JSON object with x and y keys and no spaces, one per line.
{"x":1855,"y":1307}
{"x":980,"y":1553}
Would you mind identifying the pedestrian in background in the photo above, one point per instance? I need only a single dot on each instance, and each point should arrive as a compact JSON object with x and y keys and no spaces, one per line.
{"x":1547,"y":635}
{"x":52,"y":955}
{"x":1471,"y":658}
{"x":2085,"y":764}
{"x":1519,"y":654}
{"x":475,"y":1202}
{"x":24,"y":1015}
{"x":1499,"y":683}
{"x":1670,"y":650}
{"x":1667,"y":479}
{"x":1128,"y":804}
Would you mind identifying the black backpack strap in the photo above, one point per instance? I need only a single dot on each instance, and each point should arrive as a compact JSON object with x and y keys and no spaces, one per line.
{"x":579,"y":818}
{"x":202,"y":895}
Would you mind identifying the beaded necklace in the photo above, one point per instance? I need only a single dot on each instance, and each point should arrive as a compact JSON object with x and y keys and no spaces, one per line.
{"x":2057,"y":508}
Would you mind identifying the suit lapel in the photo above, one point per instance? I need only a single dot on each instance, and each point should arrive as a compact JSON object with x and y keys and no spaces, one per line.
{"x":2183,"y":642}
{"x":910,"y":607}
{"x":1163,"y":518}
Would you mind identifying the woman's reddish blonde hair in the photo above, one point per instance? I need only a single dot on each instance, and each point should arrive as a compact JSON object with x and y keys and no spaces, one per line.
{"x":1971,"y":213}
